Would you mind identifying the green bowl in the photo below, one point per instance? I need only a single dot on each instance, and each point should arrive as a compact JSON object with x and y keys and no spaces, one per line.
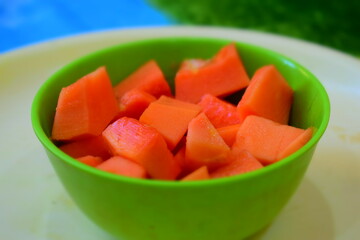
{"x":229,"y":208}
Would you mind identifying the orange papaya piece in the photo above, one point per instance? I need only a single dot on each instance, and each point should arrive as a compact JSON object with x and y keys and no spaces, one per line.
{"x":133,"y":103}
{"x":264,"y":138}
{"x":170,"y":117}
{"x":219,"y":112}
{"x":85,"y":107}
{"x":139,"y":142}
{"x":201,"y":173}
{"x":94,"y":146}
{"x":148,"y":78}
{"x":242,"y":162}
{"x":122,"y":166}
{"x":204,"y":145}
{"x":296,"y":144}
{"x":222,"y":75}
{"x":268,"y":95}
{"x":92,"y":161}
{"x":228,"y":133}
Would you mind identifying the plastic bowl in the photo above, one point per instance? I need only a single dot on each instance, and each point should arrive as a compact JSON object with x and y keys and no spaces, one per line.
{"x":229,"y":208}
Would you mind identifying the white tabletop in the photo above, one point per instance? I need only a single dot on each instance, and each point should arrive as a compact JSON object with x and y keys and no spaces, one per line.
{"x":34,"y":205}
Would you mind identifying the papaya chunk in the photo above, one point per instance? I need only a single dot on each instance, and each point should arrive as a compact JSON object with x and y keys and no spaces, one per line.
{"x":90,"y":160}
{"x":170,"y":117}
{"x":222,"y":75}
{"x":228,"y":133}
{"x":296,"y":144}
{"x":129,"y":138}
{"x":241,"y":163}
{"x":133,"y":103}
{"x":264,"y":138}
{"x":94,"y":146}
{"x":85,"y":107}
{"x":219,"y":112}
{"x":201,"y":173}
{"x":268,"y":95}
{"x":204,"y":145}
{"x":122,"y":166}
{"x":148,"y":78}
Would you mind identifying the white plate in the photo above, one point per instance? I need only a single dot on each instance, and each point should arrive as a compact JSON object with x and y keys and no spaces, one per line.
{"x":33,"y":204}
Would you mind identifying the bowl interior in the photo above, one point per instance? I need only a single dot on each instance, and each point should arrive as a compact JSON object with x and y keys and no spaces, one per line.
{"x":310,"y":107}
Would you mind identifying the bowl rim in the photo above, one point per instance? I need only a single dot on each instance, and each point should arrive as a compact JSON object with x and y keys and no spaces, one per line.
{"x":50,"y":146}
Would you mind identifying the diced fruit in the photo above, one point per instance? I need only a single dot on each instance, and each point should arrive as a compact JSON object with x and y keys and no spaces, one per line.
{"x":179,"y":157}
{"x":296,"y":144}
{"x":268,"y":95}
{"x":222,"y":75}
{"x":264,"y":138}
{"x":170,"y":117}
{"x":148,"y":78}
{"x":199,"y":174}
{"x":204,"y":145}
{"x":90,"y":160}
{"x":122,"y":166}
{"x":85,"y":107}
{"x":241,"y":162}
{"x":143,"y":144}
{"x":144,"y":132}
{"x":219,"y":112}
{"x":228,"y":133}
{"x":133,"y":103}
{"x":94,"y":146}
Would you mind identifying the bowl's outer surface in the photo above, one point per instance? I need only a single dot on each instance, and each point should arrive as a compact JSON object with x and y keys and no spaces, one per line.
{"x":228,"y":209}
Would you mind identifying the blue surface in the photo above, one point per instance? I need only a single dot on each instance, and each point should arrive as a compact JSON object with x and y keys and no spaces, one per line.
{"x":24,"y":22}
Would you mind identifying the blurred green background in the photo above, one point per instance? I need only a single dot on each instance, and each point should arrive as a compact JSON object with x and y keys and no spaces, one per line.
{"x":328,"y":22}
{"x":333,"y":23}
